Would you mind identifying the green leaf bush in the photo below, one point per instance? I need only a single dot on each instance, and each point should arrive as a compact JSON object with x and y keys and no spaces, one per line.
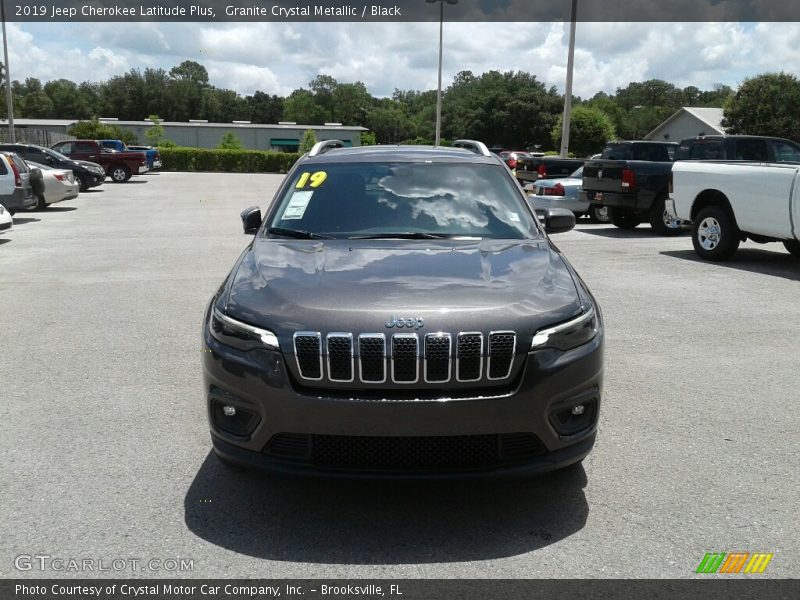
{"x":226,"y":161}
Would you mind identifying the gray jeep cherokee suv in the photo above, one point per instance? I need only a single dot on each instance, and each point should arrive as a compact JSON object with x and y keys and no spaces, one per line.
{"x":402,"y":312}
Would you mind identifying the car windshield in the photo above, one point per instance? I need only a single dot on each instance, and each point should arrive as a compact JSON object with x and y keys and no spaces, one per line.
{"x":56,"y":155}
{"x":425,"y":200}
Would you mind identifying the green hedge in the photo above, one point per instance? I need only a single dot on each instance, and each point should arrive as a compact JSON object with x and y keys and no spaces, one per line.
{"x":229,"y":161}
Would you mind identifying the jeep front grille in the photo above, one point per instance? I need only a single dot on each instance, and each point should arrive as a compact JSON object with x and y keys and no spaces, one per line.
{"x":403,"y":358}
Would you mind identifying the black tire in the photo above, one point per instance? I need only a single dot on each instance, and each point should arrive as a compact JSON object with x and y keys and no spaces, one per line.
{"x":40,"y":203}
{"x":793,"y":246}
{"x":599,"y":214}
{"x":11,"y":211}
{"x":119,"y":173}
{"x":658,"y":219}
{"x":623,"y":218}
{"x":82,"y":187}
{"x":715,"y":235}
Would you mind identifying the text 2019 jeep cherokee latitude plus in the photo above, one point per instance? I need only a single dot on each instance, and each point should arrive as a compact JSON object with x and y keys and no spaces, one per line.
{"x":401,"y":312}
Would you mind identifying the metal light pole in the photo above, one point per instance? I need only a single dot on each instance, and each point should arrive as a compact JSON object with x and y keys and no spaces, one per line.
{"x":9,"y":102}
{"x":568,"y":93}
{"x":439,"y":88}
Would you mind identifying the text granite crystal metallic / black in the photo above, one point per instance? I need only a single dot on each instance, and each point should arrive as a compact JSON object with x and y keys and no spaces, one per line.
{"x":401,"y":312}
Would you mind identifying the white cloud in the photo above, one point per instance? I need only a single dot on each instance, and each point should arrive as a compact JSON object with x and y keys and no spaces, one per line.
{"x":278,"y":57}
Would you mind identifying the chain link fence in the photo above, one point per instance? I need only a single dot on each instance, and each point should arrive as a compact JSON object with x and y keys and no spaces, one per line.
{"x":41,"y":137}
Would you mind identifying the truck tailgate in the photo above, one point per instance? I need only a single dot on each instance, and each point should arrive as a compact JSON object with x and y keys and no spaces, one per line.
{"x":603,"y":176}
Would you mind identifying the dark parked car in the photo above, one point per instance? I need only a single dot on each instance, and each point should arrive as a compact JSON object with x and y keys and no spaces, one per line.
{"x":738,"y":147}
{"x":87,"y":173}
{"x":401,"y":311}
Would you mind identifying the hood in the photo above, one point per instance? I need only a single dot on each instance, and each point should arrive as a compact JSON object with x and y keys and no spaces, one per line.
{"x":357,"y":286}
{"x":87,"y":164}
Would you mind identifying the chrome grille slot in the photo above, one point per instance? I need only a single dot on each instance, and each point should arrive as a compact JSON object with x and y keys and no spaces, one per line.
{"x":308,"y":353}
{"x":502,"y":345}
{"x":372,"y":357}
{"x":405,"y":358}
{"x":437,"y":357}
{"x":469,"y":357}
{"x":340,"y":356}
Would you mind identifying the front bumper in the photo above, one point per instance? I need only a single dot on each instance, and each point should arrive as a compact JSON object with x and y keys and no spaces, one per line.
{"x":156,"y":164}
{"x":94,"y":179}
{"x":257,"y":383}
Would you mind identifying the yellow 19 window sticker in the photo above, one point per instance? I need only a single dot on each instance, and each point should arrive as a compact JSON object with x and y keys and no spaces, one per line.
{"x":315,"y":179}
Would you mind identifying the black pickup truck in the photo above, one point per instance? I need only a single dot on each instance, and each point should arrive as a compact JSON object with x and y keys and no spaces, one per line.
{"x":632,"y":179}
{"x":530,"y":169}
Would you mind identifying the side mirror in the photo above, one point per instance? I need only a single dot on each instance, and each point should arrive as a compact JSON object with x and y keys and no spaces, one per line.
{"x":251,"y":219}
{"x":556,"y":220}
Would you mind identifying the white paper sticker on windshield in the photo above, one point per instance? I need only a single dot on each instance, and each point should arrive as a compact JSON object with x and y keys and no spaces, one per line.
{"x":513,"y":217}
{"x":297,"y":205}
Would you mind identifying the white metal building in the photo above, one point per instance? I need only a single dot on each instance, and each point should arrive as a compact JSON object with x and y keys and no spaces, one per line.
{"x":688,"y":122}
{"x":284,"y":136}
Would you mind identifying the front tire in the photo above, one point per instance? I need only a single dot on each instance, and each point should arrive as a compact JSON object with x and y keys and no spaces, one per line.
{"x":41,"y":204}
{"x":82,"y":187}
{"x":660,"y":221}
{"x":119,"y":173}
{"x":715,"y":235}
{"x":793,"y":246}
{"x":623,"y":218}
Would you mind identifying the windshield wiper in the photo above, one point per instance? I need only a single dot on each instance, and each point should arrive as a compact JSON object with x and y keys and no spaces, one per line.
{"x":403,"y":235}
{"x":298,"y":233}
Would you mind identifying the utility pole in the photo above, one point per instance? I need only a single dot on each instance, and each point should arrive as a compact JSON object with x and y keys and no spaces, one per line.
{"x":568,"y":92}
{"x":9,"y":101}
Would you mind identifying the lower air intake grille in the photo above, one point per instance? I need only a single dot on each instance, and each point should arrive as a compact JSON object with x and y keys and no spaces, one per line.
{"x":405,"y":453}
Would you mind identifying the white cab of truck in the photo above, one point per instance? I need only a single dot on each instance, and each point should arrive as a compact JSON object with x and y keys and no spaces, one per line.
{"x":728,"y":203}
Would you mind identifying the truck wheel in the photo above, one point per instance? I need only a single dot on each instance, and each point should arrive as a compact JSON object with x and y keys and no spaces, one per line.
{"x":623,"y":218}
{"x":599,"y":214}
{"x":714,"y":233}
{"x":120,"y":173}
{"x":793,"y":246}
{"x":660,"y":221}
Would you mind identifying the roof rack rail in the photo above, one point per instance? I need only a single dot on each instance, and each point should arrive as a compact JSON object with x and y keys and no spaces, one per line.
{"x":473,"y":145}
{"x":325,"y":146}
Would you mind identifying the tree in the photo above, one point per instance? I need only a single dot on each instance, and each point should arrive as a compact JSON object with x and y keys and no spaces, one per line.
{"x":155,"y":134}
{"x":368,"y":139}
{"x":230,"y":142}
{"x":301,"y":107}
{"x":265,"y":108}
{"x":589,"y":130}
{"x":765,"y":105}
{"x":389,"y":123}
{"x":95,"y":129}
{"x":309,"y":139}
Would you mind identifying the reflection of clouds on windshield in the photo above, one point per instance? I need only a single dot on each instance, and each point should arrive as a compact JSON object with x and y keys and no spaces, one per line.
{"x":454,"y":194}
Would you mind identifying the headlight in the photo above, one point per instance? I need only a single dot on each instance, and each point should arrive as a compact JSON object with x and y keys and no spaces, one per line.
{"x":573,"y":333}
{"x":240,"y":335}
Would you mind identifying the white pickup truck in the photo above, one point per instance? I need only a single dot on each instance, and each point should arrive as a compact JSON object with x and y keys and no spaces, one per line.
{"x":728,"y":203}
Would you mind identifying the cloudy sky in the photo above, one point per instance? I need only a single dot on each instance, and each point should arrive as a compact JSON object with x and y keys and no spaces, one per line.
{"x":279,"y":57}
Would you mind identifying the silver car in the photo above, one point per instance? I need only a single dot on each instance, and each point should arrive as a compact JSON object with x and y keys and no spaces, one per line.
{"x":59,"y":184}
{"x":564,"y":193}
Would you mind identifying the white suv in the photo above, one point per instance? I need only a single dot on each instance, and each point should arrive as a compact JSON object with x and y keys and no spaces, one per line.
{"x":16,"y":192}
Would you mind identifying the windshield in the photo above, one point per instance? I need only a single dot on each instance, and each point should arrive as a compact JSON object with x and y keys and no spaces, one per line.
{"x":57,"y":155}
{"x":403,"y":199}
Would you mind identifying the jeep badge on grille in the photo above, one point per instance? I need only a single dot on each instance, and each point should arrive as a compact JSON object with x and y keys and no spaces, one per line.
{"x":399,"y":322}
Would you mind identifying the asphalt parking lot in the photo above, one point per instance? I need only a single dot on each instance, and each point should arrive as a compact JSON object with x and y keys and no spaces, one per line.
{"x":107,"y":453}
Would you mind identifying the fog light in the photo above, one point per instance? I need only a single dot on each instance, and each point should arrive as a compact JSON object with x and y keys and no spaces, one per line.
{"x":576,"y":410}
{"x":230,"y":411}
